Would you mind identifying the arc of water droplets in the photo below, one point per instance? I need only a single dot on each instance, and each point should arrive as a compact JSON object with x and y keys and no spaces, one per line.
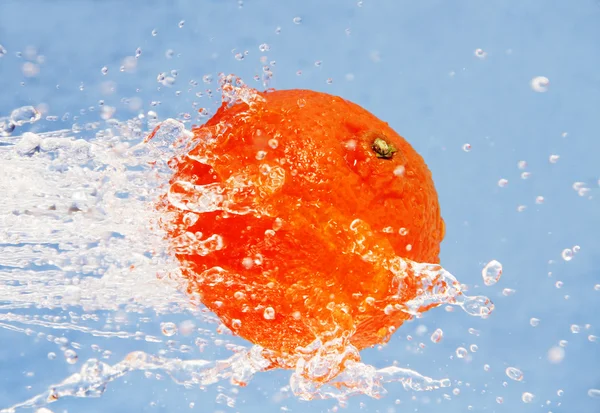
{"x":94,"y":376}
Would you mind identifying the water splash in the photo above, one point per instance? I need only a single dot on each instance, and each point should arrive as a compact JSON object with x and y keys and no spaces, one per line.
{"x":77,"y":234}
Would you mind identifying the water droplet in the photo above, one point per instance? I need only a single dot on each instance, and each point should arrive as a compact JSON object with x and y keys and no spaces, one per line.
{"x":514,"y":373}
{"x":154,"y":32}
{"x":539,"y":200}
{"x":138,"y":52}
{"x":3,"y":51}
{"x":273,"y":143}
{"x":499,"y":400}
{"x":474,"y":332}
{"x":236,"y":324}
{"x":594,"y":393}
{"x":329,"y":81}
{"x":168,"y":329}
{"x":70,"y":356}
{"x":461,"y":352}
{"x":264,"y":47}
{"x":25,"y":114}
{"x":473,"y":348}
{"x":508,"y":291}
{"x":556,"y":355}
{"x":466,"y":147}
{"x":560,"y":392}
{"x":534,"y":322}
{"x":181,"y":24}
{"x":399,"y":171}
{"x":525,"y":175}
{"x":480,"y":53}
{"x":559,"y":284}
{"x":527,"y":397}
{"x":592,"y":338}
{"x":491,"y":273}
{"x":575,"y":328}
{"x":486,"y":367}
{"x":269,"y":313}
{"x":437,"y":335}
{"x":553,"y":158}
{"x":502,"y":183}
{"x":567,"y":254}
{"x":104,"y":70}
{"x":540,"y":84}
{"x":297,"y":20}
{"x":51,"y":356}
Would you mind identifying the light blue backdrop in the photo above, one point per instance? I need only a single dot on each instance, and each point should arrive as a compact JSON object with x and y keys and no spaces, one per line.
{"x":413,"y":64}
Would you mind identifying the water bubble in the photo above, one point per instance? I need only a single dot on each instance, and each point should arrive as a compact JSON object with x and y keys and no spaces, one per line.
{"x":575,"y":329}
{"x":486,"y":367}
{"x":168,"y":329}
{"x":491,"y":273}
{"x":25,"y":114}
{"x":556,"y":355}
{"x":525,"y":175}
{"x":560,"y":392}
{"x":576,"y":249}
{"x":104,"y":70}
{"x":592,"y":338}
{"x":534,"y":322}
{"x":236,"y":324}
{"x":514,"y":373}
{"x":473,"y":348}
{"x":502,"y":183}
{"x":527,"y":397}
{"x":264,"y":47}
{"x":269,"y":313}
{"x":466,"y":147}
{"x":594,"y":393}
{"x":553,"y":158}
{"x":522,"y":164}
{"x":329,"y":81}
{"x":437,"y":335}
{"x":567,"y":254}
{"x":508,"y":291}
{"x":154,"y":32}
{"x":499,"y":400}
{"x":480,"y":53}
{"x":540,"y":84}
{"x":3,"y":51}
{"x":51,"y":356}
{"x":539,"y":200}
{"x":297,"y":20}
{"x":181,"y":24}
{"x":563,"y":343}
{"x":474,"y":332}
{"x":29,"y":144}
{"x":559,"y":284}
{"x":461,"y":352}
{"x":70,"y":356}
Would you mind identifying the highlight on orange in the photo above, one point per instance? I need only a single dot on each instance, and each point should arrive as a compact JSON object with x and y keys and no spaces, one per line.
{"x":293,"y":214}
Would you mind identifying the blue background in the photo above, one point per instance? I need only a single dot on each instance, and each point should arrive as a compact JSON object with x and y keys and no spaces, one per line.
{"x":411,"y":63}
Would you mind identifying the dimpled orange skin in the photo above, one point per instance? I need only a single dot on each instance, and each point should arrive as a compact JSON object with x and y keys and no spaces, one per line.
{"x":303,"y":254}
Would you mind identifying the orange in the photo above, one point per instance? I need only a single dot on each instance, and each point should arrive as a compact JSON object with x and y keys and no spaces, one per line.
{"x":290,"y":213}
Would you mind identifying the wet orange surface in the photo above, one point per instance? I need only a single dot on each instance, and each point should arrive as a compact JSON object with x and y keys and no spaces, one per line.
{"x":312,"y":199}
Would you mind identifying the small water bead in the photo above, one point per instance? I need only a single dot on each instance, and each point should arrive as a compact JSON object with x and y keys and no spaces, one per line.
{"x":480,"y":53}
{"x":491,"y":273}
{"x":486,"y":367}
{"x":70,"y":356}
{"x":597,"y":287}
{"x":559,"y":284}
{"x":168,"y":329}
{"x":560,"y":392}
{"x":104,"y":70}
{"x":273,"y":143}
{"x":525,"y":175}
{"x":563,"y":343}
{"x":264,"y":47}
{"x":556,"y":355}
{"x":527,"y":397}
{"x":236,"y":324}
{"x":466,"y":147}
{"x":553,"y":158}
{"x":514,"y":373}
{"x":51,"y":356}
{"x":461,"y":352}
{"x":474,"y":332}
{"x":508,"y":291}
{"x":499,"y":400}
{"x":522,"y":164}
{"x":592,"y":338}
{"x":567,"y":254}
{"x":473,"y":348}
{"x":269,"y":313}
{"x":181,"y":24}
{"x":502,"y":183}
{"x":540,"y":84}
{"x":138,"y":52}
{"x":575,"y":329}
{"x":437,"y":335}
{"x":25,"y":114}
{"x":534,"y":322}
{"x":329,"y":81}
{"x":297,"y":20}
{"x":539,"y":200}
{"x":594,"y":393}
{"x":576,"y":249}
{"x":154,"y":32}
{"x":3,"y":51}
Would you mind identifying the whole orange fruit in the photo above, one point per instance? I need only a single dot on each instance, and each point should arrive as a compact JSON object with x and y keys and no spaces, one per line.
{"x":290,"y":214}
